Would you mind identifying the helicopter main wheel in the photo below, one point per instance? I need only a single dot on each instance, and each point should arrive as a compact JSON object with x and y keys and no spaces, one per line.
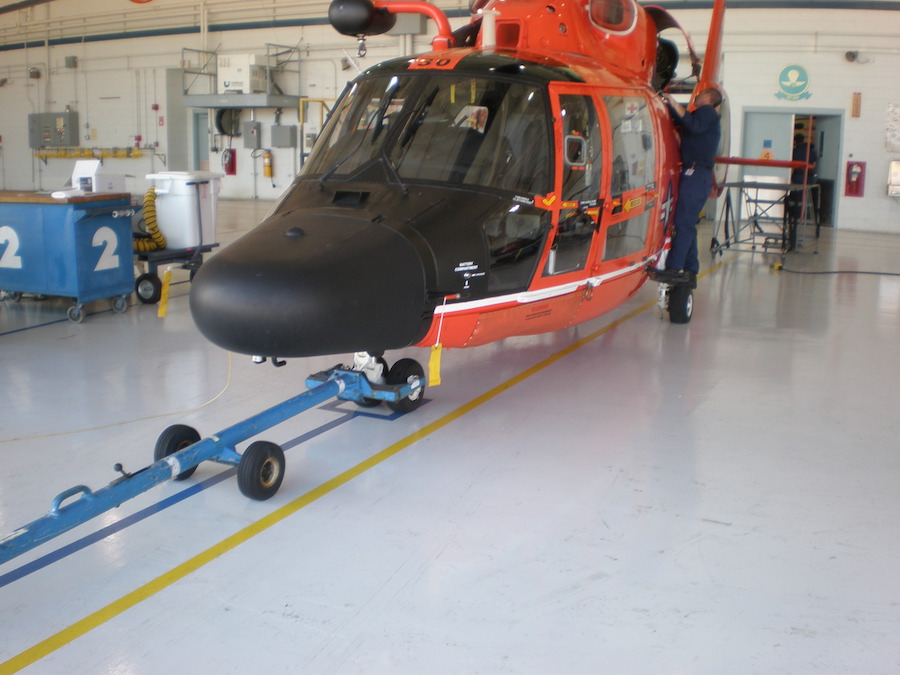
{"x":681,"y":303}
{"x":405,"y":371}
{"x":176,"y":437}
{"x":261,"y":470}
{"x":148,"y":288}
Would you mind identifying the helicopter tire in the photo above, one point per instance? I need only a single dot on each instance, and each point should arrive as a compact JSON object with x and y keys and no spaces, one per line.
{"x":403,"y":372}
{"x":681,"y":303}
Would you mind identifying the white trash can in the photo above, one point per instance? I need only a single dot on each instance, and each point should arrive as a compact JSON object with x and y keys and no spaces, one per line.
{"x":176,"y":207}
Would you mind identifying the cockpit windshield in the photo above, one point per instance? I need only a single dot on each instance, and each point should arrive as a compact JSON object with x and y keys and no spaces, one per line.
{"x":443,"y":129}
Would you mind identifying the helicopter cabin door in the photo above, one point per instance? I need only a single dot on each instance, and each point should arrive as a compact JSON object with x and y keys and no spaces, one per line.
{"x":578,"y":176}
{"x":626,"y":216}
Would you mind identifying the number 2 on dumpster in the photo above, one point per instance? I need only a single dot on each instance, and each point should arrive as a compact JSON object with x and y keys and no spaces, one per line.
{"x":10,"y":257}
{"x":106,"y":238}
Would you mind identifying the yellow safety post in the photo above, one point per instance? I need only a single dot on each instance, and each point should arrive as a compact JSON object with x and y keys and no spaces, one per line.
{"x":164,"y":293}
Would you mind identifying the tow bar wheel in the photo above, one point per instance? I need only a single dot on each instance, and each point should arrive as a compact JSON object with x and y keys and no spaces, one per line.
{"x":176,"y":437}
{"x":261,"y":470}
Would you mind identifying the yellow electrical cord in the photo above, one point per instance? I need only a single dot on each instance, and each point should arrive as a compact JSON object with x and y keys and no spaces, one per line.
{"x":157,"y":239}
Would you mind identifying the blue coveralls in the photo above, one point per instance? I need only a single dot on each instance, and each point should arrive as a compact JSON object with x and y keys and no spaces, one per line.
{"x":699,"y":142}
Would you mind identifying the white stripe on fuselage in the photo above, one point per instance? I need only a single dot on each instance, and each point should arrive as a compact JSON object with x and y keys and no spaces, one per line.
{"x":542,"y":294}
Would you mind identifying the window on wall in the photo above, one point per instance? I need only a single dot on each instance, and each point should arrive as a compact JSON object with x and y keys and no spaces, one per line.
{"x":582,"y":164}
{"x":633,"y":168}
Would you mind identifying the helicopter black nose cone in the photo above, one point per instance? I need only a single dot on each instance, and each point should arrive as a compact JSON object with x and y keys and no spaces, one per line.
{"x":306,"y":285}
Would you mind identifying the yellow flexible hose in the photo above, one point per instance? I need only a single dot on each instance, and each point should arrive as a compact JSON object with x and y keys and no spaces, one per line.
{"x":157,"y":239}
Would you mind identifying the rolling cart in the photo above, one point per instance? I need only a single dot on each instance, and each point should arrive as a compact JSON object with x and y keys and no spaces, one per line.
{"x":186,"y":210}
{"x":77,"y":247}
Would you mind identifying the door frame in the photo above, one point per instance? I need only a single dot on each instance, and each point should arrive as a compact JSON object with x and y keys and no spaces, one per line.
{"x":790,"y":114}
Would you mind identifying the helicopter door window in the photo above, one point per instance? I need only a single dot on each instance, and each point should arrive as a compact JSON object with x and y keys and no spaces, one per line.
{"x":634,"y":169}
{"x":581,"y":165}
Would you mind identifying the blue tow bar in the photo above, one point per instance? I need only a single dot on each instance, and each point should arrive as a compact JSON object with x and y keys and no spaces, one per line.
{"x":260,"y":467}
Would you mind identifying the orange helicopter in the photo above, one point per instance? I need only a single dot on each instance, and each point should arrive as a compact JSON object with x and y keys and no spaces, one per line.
{"x":518,"y":179}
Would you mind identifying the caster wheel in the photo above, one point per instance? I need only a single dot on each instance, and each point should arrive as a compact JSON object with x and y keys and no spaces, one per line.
{"x":75,"y":313}
{"x":120,"y":304}
{"x":261,"y":470}
{"x":406,"y":371}
{"x":176,"y":437}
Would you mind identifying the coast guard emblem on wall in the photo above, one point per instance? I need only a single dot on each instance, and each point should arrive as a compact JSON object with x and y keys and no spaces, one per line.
{"x":793,"y":83}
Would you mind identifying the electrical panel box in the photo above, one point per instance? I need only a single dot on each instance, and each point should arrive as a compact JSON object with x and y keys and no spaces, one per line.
{"x":284,"y":136}
{"x":243,"y":73}
{"x":47,"y":130}
{"x":251,"y":132}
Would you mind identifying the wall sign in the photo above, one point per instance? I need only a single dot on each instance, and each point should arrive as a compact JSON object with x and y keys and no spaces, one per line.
{"x":793,"y":83}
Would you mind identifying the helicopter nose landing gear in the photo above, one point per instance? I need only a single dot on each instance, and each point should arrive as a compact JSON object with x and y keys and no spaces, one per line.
{"x":405,"y":373}
{"x":402,"y":386}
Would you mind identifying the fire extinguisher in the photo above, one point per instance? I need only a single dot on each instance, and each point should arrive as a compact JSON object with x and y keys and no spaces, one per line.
{"x":856,"y":179}
{"x":267,"y":163}
{"x":229,"y":162}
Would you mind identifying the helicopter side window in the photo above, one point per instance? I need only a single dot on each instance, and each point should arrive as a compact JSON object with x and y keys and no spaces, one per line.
{"x":634,"y":168}
{"x":581,"y":153}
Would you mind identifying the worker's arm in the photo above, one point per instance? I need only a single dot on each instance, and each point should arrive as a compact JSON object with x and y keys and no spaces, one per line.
{"x":673,"y":104}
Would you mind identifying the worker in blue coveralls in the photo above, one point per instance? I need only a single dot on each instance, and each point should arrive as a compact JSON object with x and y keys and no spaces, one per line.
{"x":700,"y":134}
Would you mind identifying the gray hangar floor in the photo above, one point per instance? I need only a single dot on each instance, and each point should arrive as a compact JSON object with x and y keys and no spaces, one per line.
{"x":628,"y":496}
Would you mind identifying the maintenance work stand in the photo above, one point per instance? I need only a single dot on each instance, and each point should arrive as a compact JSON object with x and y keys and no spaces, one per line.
{"x":755,"y":217}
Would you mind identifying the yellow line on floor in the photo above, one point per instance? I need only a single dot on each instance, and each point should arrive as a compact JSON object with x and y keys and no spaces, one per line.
{"x":151,"y":588}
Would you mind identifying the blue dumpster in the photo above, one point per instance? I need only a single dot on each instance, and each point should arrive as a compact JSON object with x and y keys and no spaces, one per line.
{"x":78,"y":247}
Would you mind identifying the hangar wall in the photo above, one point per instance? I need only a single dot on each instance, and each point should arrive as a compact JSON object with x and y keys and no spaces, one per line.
{"x":116,"y":83}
